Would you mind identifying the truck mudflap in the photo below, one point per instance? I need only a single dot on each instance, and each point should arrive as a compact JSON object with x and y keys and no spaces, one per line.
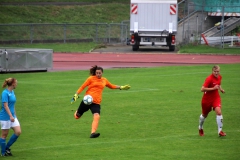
{"x":171,"y":42}
{"x":135,"y":41}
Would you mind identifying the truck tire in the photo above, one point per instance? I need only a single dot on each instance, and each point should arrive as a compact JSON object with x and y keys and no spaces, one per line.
{"x":171,"y":48}
{"x":135,"y":47}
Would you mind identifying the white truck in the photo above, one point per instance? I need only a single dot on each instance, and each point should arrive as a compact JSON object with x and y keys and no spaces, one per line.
{"x":153,"y":23}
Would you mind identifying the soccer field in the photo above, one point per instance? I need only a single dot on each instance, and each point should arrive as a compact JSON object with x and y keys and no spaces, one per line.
{"x":156,"y":119}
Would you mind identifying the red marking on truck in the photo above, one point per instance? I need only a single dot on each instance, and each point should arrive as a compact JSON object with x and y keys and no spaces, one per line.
{"x":134,"y":9}
{"x":173,"y":9}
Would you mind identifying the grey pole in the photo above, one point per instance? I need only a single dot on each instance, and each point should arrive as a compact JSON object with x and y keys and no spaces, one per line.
{"x":222,"y":28}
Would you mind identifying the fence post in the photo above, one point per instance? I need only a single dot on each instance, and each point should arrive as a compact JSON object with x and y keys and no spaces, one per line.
{"x":31,"y":33}
{"x":222,"y":28}
{"x":183,"y":32}
{"x":96,"y":38}
{"x":121,"y":32}
{"x":126,"y":41}
{"x":188,"y":23}
{"x":201,"y":23}
{"x":64,"y":32}
{"x":109,"y":30}
{"x":106,"y":33}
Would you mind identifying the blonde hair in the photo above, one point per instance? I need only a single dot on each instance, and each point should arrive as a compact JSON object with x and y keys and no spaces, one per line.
{"x":8,"y":82}
{"x":216,"y":67}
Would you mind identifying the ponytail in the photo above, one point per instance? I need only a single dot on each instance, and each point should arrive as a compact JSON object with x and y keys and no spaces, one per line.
{"x":8,"y":82}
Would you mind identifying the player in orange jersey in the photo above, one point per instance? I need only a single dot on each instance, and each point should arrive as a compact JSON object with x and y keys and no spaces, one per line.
{"x":95,"y":83}
{"x":211,"y":100}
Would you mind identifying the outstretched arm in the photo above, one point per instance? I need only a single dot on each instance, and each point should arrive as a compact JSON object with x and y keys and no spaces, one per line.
{"x":125,"y":87}
{"x":112,"y":86}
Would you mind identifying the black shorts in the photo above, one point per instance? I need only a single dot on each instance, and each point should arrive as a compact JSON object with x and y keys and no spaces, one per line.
{"x":95,"y":108}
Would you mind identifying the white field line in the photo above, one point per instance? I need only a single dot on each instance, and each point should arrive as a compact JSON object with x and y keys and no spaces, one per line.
{"x":51,"y":81}
{"x":138,"y":140}
{"x":70,"y":96}
{"x":46,"y":81}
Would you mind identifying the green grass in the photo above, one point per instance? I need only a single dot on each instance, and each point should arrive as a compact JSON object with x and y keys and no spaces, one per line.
{"x":90,"y":15}
{"x":98,"y":13}
{"x":58,"y":47}
{"x":111,"y":11}
{"x":156,"y":119}
{"x":204,"y":49}
{"x":86,"y":47}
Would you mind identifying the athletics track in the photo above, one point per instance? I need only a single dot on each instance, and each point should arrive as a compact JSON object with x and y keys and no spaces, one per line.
{"x":84,"y":61}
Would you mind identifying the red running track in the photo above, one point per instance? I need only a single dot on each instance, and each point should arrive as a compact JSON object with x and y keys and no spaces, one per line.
{"x":83,"y":61}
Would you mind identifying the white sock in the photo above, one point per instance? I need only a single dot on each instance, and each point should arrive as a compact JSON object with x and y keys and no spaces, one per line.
{"x":219,"y":122}
{"x":201,"y":121}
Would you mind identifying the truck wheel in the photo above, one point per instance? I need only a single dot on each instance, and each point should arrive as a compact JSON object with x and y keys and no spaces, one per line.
{"x":171,"y":48}
{"x":135,"y":47}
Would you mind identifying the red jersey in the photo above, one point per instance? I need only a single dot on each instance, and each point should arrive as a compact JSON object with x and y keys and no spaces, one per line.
{"x":210,"y":82}
{"x":95,"y":87}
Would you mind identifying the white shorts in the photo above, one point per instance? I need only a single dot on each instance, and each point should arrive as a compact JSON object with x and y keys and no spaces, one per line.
{"x":9,"y":124}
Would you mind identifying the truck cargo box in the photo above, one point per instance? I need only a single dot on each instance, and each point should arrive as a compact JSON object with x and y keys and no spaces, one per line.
{"x":153,"y":22}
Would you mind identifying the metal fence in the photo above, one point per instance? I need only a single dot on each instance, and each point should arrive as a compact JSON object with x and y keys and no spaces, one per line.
{"x":193,"y":23}
{"x":48,"y":33}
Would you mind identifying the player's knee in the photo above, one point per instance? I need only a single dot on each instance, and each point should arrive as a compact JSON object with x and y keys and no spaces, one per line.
{"x":18,"y":132}
{"x":204,"y":115}
{"x":96,"y":116}
{"x":4,"y":135}
{"x":218,"y":111}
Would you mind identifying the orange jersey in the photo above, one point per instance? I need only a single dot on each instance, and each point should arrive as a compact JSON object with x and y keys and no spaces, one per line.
{"x":95,"y":87}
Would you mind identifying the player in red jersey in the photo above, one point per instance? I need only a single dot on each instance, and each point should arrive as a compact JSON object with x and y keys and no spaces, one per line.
{"x":211,"y":100}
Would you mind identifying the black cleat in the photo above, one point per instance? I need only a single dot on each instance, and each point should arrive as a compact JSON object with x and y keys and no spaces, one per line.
{"x":8,"y":152}
{"x":94,"y":135}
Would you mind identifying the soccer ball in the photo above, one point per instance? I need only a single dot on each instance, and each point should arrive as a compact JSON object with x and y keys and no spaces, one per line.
{"x":87,"y":99}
